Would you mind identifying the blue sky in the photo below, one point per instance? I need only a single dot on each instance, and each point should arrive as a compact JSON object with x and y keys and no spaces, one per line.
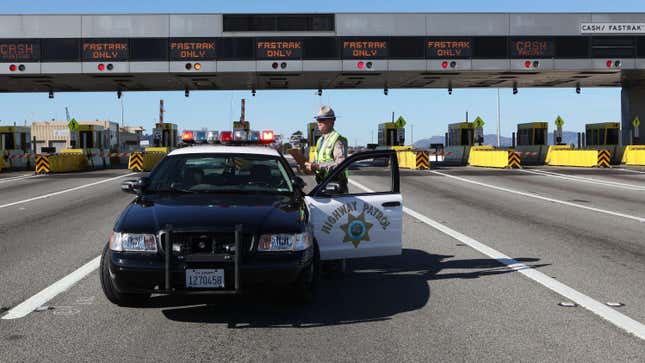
{"x":286,"y":111}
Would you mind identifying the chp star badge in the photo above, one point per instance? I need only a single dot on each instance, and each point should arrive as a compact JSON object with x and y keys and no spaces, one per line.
{"x":356,"y":229}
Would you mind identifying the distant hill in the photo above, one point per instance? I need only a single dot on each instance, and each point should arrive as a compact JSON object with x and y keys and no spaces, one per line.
{"x":569,"y":137}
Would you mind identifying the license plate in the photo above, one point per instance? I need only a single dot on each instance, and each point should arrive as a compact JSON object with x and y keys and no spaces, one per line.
{"x":204,"y":279}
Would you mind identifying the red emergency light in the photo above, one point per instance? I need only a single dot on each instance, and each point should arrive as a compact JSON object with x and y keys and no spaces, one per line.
{"x":266,"y":137}
{"x":360,"y":65}
{"x":226,"y":136}
{"x":527,"y":64}
{"x":187,"y":136}
{"x":101,"y":67}
{"x":444,"y":64}
{"x":12,"y":67}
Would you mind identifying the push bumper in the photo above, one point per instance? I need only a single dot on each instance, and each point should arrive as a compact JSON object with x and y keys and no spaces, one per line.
{"x":139,"y":273}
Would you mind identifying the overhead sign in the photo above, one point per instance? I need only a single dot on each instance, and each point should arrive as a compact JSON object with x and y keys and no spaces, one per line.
{"x":364,"y":48}
{"x":278,"y":49}
{"x":27,"y":50}
{"x":478,"y":122}
{"x":612,"y":28}
{"x":636,"y":122}
{"x":72,"y":125}
{"x":192,"y":49}
{"x":103,"y":50}
{"x":400,"y":122}
{"x":441,"y":48}
{"x":532,"y":48}
{"x":559,"y":122}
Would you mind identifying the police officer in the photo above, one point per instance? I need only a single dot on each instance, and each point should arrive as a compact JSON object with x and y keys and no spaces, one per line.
{"x":331,"y":149}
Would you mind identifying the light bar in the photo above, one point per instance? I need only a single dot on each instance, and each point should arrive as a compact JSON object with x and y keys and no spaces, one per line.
{"x":266,"y":136}
{"x":187,"y":136}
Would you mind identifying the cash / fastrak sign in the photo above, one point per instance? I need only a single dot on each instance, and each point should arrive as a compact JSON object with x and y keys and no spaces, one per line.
{"x":612,"y":28}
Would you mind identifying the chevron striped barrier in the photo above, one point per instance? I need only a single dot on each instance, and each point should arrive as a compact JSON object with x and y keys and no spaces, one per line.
{"x":514,"y":161}
{"x":604,"y":158}
{"x":42,"y":164}
{"x":422,"y":160}
{"x":135,"y":163}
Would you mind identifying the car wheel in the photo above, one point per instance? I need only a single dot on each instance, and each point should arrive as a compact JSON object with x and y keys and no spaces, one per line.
{"x":307,"y":283}
{"x":110,"y":291}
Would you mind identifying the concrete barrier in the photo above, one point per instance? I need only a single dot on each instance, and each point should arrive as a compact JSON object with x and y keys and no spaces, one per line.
{"x":552,"y":148}
{"x":17,"y":159}
{"x":456,"y":155}
{"x":616,"y":152}
{"x":580,"y":158}
{"x":66,"y":162}
{"x":634,"y":155}
{"x":486,"y":156}
{"x":531,"y":154}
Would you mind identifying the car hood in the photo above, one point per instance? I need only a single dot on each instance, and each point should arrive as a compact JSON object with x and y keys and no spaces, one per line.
{"x":257,"y":213}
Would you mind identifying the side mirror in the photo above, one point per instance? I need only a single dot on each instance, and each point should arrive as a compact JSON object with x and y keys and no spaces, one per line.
{"x":298,"y":182}
{"x":332,"y":188}
{"x":135,"y":186}
{"x":128,"y":186}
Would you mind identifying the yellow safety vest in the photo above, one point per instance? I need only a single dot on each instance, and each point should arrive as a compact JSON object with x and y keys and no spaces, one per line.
{"x":325,"y":150}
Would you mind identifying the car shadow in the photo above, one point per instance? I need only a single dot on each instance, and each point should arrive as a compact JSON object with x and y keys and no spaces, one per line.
{"x":372,"y":289}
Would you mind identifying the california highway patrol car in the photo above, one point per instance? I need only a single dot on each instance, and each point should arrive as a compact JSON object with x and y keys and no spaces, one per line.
{"x":221,"y":219}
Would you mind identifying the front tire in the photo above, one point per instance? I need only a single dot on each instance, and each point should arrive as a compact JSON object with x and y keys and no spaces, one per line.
{"x":307,"y":283}
{"x":110,"y":291}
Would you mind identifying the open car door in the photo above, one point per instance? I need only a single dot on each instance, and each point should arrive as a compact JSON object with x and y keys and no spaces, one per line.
{"x":366,"y":219}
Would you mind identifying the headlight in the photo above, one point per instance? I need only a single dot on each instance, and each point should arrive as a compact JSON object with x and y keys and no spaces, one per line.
{"x":133,"y":242}
{"x":285,"y":242}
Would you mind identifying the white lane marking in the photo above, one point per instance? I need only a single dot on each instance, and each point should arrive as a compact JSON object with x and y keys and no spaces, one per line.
{"x":620,"y":320}
{"x":578,"y":178}
{"x":64,"y":191}
{"x":633,"y":171}
{"x":507,"y":190}
{"x":21,"y":177}
{"x":29,"y":305}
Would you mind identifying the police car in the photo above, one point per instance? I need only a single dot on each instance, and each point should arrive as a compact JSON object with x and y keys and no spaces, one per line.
{"x":222,"y":219}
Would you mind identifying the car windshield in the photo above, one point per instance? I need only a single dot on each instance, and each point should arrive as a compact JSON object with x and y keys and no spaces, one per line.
{"x":225,"y":173}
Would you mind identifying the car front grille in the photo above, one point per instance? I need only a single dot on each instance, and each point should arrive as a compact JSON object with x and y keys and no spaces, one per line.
{"x":205,"y":243}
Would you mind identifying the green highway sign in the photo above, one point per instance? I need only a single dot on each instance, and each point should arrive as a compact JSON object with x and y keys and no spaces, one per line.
{"x":478,"y":122}
{"x":559,"y":121}
{"x":72,"y":125}
{"x":400,"y":122}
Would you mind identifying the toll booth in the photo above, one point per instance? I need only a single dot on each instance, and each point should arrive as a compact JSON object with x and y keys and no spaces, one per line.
{"x":390,"y":135}
{"x":164,"y":135}
{"x":605,"y":136}
{"x":15,"y":138}
{"x":461,"y":134}
{"x":532,"y":134}
{"x":531,"y":142}
{"x":313,"y":134}
{"x":605,"y":133}
{"x":89,"y":137}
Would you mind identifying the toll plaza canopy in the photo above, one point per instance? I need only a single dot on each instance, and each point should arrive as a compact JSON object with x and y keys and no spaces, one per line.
{"x":319,"y":51}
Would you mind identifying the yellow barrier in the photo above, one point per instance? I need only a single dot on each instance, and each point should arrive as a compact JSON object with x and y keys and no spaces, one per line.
{"x":634,"y":155}
{"x":486,"y":156}
{"x":580,"y":158}
{"x":2,"y":164}
{"x":66,"y":162}
{"x":164,"y":150}
{"x":547,"y":159}
{"x":151,"y":159}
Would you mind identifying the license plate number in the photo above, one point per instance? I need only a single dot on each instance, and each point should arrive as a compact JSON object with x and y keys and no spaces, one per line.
{"x":203,"y":278}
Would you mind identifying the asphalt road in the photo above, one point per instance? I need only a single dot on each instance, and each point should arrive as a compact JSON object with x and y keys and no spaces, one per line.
{"x":440,"y":301}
